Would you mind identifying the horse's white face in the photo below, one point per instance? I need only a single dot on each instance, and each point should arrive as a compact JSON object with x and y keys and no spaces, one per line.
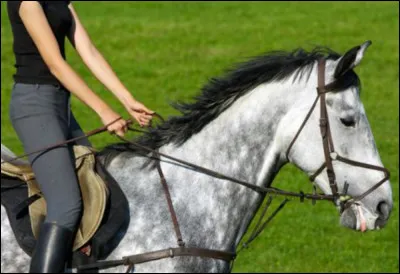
{"x":353,"y":139}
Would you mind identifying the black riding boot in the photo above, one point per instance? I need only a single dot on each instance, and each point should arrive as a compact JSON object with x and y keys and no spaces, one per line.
{"x":52,"y":249}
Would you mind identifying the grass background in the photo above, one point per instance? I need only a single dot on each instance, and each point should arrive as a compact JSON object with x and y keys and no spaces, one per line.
{"x":166,"y":51}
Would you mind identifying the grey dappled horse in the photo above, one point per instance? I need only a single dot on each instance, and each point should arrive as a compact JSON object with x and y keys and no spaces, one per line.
{"x":240,"y":125}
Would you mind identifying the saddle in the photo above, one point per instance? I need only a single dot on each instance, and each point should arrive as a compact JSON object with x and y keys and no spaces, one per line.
{"x":105,"y":215}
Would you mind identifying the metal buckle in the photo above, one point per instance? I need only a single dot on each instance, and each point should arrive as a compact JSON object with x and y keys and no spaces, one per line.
{"x":345,"y":198}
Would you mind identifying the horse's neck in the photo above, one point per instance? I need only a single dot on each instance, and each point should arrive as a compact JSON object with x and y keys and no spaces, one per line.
{"x":241,"y":143}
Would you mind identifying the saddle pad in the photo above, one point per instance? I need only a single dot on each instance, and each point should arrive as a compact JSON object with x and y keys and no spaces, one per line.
{"x":111,"y":231}
{"x":93,"y":189}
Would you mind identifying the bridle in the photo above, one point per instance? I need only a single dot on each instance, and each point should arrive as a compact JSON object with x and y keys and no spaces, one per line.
{"x":340,"y":199}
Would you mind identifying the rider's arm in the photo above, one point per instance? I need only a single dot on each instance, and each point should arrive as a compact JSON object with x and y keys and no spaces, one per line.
{"x":100,"y":68}
{"x":35,"y":22}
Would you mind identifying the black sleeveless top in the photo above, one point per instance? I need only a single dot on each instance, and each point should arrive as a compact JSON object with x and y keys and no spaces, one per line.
{"x":31,"y":69}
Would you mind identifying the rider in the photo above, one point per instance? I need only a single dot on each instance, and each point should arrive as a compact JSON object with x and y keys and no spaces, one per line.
{"x":41,"y":116}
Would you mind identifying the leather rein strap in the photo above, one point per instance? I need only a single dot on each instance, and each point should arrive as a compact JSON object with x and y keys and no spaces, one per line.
{"x":90,"y":133}
{"x":181,"y":243}
{"x":161,"y":254}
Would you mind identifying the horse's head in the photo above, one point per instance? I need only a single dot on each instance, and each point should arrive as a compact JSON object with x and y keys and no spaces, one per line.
{"x":350,"y":137}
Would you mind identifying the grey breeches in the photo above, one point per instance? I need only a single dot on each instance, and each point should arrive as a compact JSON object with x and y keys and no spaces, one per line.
{"x":41,"y":116}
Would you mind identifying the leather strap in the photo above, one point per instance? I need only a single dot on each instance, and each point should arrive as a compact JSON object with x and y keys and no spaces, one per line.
{"x":301,"y":127}
{"x":26,"y":203}
{"x":170,"y":205}
{"x":162,"y":254}
{"x":324,"y":127}
{"x":90,"y":133}
{"x":261,"y":190}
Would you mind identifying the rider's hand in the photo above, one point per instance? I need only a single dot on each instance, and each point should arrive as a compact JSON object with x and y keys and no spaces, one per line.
{"x":138,"y":111}
{"x":119,"y":126}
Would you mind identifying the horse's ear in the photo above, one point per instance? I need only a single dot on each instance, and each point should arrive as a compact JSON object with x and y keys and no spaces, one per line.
{"x":350,"y":59}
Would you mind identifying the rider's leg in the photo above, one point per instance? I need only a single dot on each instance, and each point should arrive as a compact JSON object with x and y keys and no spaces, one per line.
{"x":39,"y":114}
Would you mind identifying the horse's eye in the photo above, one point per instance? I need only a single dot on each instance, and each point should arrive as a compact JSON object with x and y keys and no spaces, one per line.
{"x":348,"y":121}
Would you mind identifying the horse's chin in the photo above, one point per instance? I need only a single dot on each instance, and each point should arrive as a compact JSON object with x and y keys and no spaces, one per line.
{"x":348,"y":218}
{"x":356,"y":217}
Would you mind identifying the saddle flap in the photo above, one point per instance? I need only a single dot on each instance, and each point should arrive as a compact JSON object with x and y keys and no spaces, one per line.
{"x":23,"y":172}
{"x":93,"y":190}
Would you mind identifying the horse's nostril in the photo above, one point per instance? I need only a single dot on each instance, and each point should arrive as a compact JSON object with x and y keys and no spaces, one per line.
{"x":348,"y":121}
{"x":383,"y":209}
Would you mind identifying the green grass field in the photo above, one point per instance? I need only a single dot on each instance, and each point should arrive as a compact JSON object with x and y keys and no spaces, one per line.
{"x":165,"y":51}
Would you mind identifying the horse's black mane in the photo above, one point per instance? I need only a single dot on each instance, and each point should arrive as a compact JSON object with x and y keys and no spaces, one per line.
{"x":219,"y":93}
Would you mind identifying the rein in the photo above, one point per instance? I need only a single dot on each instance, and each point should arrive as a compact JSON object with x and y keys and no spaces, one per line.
{"x":259,"y":189}
{"x":90,"y":133}
{"x":342,"y":200}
